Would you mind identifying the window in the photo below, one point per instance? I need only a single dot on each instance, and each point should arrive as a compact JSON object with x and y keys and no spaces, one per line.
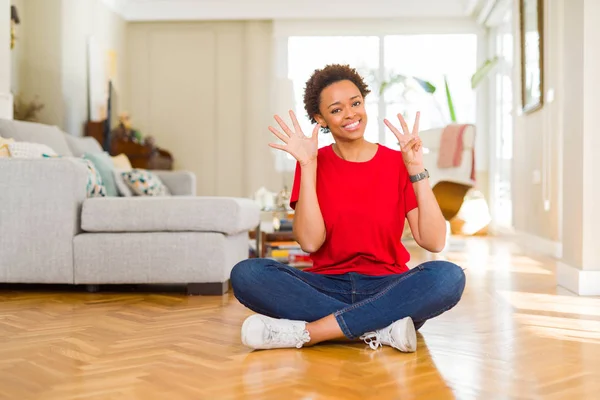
{"x":378,"y":58}
{"x":305,"y":54}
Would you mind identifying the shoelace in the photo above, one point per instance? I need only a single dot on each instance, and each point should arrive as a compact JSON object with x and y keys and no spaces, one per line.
{"x":285,"y":336}
{"x":373,"y":339}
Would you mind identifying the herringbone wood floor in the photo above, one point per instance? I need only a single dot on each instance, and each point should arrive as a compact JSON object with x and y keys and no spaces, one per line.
{"x":514,"y":335}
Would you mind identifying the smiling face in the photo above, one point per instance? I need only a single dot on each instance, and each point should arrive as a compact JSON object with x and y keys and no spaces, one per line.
{"x":342,"y":110}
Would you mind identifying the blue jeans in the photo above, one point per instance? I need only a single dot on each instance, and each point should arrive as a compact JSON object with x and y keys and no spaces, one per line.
{"x":360,"y":303}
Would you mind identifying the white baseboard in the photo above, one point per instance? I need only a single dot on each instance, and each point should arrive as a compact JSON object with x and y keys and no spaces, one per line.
{"x":538,"y":244}
{"x":496,"y":230}
{"x":6,"y":106}
{"x":579,"y":281}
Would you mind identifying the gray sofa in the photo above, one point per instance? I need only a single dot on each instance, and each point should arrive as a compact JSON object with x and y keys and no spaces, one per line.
{"x":51,"y":233}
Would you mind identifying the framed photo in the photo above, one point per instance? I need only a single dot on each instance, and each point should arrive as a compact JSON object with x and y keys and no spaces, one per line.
{"x":532,"y":54}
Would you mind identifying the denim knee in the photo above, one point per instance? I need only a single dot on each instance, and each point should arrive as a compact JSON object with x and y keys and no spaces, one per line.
{"x":244,"y":272}
{"x":454,"y":276}
{"x":239,"y":274}
{"x":451,"y":275}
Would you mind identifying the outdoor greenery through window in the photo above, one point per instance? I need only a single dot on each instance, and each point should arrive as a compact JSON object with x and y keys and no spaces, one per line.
{"x":398,"y":69}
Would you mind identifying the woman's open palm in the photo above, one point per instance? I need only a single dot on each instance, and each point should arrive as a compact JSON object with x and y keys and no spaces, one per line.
{"x":410,"y":142}
{"x":304,"y":149}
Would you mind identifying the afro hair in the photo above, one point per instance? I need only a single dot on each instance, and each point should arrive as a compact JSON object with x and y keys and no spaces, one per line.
{"x":322,"y":78}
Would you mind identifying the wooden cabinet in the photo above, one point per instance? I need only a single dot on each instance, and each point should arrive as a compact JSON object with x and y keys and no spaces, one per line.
{"x":143,"y":156}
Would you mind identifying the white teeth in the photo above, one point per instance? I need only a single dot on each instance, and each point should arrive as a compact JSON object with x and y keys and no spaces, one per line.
{"x":352,"y":126}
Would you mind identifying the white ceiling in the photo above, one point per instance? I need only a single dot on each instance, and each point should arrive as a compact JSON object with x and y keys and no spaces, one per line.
{"x":180,"y":10}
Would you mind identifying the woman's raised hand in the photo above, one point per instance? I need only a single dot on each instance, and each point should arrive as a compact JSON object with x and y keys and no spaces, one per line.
{"x":410,"y":142}
{"x":303,"y":149}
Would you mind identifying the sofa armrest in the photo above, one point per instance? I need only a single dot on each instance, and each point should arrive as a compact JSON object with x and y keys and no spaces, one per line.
{"x":180,"y":183}
{"x":40,"y":201}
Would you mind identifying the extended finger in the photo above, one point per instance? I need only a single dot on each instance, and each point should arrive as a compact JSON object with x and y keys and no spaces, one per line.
{"x":283,"y":125}
{"x":277,"y":146}
{"x":280,"y":135}
{"x":295,"y":122}
{"x":403,"y":124}
{"x":315,"y":132}
{"x":394,"y":130}
{"x":416,"y":125}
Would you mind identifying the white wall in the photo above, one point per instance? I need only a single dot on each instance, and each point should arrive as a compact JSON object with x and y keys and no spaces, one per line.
{"x":591,"y":141}
{"x":579,"y":269}
{"x":536,"y":137}
{"x":573,"y":131}
{"x":553,"y":137}
{"x":84,"y":19}
{"x":38,"y":63}
{"x":202,"y":90}
{"x":51,"y":56}
{"x":5,"y":61}
{"x":16,"y":53}
{"x":561,"y":140}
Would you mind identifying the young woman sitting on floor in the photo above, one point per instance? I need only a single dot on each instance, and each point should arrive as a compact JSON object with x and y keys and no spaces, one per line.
{"x":351,"y":200}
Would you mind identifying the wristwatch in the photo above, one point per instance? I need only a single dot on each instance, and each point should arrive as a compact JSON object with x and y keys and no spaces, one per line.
{"x":419,"y":177}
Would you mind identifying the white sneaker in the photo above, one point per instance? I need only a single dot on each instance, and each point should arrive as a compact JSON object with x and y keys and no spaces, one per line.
{"x":262,"y":332}
{"x":400,"y":335}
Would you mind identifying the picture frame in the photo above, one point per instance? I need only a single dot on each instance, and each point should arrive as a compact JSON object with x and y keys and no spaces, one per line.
{"x":531,"y":16}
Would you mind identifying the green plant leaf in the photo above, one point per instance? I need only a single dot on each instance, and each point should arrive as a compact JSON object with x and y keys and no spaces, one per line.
{"x":426,"y":85}
{"x":450,"y":102}
{"x":483,"y":71}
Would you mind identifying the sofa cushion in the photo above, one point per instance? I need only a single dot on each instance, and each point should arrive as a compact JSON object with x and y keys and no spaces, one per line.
{"x":23,"y":131}
{"x":81,"y":145}
{"x":226,"y":215}
{"x":29,"y":150}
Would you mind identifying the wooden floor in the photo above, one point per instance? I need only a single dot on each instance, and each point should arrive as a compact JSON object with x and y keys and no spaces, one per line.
{"x":515,"y":335}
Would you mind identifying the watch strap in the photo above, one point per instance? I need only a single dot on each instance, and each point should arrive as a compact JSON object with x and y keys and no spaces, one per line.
{"x":419,"y":177}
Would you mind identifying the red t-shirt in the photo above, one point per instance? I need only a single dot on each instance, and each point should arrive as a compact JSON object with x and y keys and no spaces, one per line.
{"x":364,"y":206}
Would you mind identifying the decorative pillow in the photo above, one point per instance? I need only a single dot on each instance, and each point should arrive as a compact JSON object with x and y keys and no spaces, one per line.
{"x":144,"y":183}
{"x":4,"y":146}
{"x":94,"y":187}
{"x":104,"y":165}
{"x":29,"y":150}
{"x":122,"y":162}
{"x":121,"y":185}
